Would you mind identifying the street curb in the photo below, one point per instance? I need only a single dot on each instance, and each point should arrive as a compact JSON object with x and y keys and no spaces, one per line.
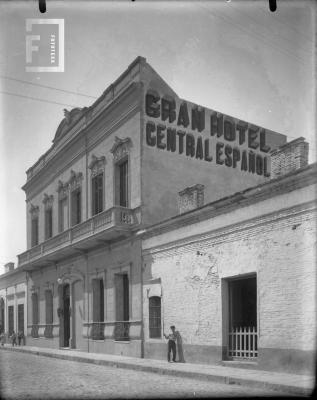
{"x":224,"y":379}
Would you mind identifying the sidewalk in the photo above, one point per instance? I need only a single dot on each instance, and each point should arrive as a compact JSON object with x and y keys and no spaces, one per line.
{"x":281,"y":382}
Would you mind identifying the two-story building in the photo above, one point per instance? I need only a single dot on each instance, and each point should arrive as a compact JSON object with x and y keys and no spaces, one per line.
{"x":114,"y":169}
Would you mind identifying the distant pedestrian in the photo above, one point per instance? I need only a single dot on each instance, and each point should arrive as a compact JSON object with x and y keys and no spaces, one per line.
{"x":20,"y":337}
{"x":14,"y":338}
{"x":171,"y":345}
{"x":2,"y":338}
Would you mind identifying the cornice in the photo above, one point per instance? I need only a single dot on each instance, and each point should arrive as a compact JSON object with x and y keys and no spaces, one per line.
{"x":51,"y":154}
{"x":130,"y":112}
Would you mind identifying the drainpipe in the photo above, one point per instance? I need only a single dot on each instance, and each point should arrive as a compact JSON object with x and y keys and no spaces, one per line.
{"x":87,"y":288}
{"x":142,"y":316}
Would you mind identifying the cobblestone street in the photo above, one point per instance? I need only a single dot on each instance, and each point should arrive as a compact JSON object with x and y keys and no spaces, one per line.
{"x":26,"y":376}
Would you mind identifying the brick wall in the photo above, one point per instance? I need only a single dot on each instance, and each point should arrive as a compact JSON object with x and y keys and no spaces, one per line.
{"x":290,"y":157}
{"x":280,"y":249}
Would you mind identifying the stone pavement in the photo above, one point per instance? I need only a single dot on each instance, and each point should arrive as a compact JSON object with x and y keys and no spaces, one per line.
{"x":282,"y":382}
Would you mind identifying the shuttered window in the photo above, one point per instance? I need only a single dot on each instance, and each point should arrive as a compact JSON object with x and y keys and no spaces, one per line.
{"x":48,"y":223}
{"x":35,"y":231}
{"x":97,"y":194}
{"x":76,"y":207}
{"x":123,"y":184}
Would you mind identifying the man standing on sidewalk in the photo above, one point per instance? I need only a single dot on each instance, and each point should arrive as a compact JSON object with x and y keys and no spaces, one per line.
{"x":171,"y":345}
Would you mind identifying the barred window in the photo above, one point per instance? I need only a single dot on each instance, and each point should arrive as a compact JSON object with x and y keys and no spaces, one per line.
{"x":155,"y":317}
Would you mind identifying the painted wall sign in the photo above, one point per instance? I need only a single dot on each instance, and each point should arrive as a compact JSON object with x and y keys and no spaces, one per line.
{"x":188,"y":130}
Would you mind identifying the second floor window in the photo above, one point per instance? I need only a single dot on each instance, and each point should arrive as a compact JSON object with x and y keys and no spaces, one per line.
{"x":122,"y":187}
{"x":48,"y":223}
{"x":97,"y":194}
{"x":35,"y":231}
{"x":62,"y":215}
{"x":76,"y":206}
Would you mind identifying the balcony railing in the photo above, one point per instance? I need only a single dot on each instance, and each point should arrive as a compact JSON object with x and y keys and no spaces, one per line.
{"x":48,"y":331}
{"x":121,"y":330}
{"x":116,"y":217}
{"x":97,"y":331}
{"x":35,"y":331}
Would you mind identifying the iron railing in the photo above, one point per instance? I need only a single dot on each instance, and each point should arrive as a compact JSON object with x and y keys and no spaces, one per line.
{"x":114,"y":217}
{"x":35,"y":331}
{"x":121,"y":330}
{"x":98,"y":331}
{"x":48,"y":331}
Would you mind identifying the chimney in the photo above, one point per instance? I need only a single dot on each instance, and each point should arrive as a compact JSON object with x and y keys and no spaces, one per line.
{"x":8,"y":267}
{"x":190,"y":198}
{"x":289,"y":157}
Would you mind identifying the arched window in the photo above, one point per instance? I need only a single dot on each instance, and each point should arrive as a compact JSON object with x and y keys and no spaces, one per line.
{"x":155,"y":317}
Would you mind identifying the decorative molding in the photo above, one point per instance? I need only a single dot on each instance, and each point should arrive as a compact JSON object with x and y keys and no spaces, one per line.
{"x":34,"y":211}
{"x":121,"y":148}
{"x":70,"y":118}
{"x":75,"y":180}
{"x":62,"y":190}
{"x":97,"y":165}
{"x":48,"y":201}
{"x":70,"y":274}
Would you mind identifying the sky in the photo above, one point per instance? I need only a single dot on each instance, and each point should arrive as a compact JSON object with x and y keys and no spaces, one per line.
{"x":235,"y":57}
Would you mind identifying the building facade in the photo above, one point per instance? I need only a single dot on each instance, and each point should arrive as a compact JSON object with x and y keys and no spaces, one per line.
{"x":95,"y":202}
{"x":237,"y":276}
{"x":13,"y":294}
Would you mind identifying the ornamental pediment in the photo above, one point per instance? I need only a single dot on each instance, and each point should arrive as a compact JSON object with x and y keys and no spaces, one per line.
{"x":121,"y":148}
{"x":75,"y":179}
{"x":97,"y":164}
{"x":71,"y":117}
{"x":48,"y":200}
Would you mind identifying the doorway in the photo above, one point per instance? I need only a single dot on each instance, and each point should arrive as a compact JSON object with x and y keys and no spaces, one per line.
{"x":243,"y":318}
{"x":66,"y":315}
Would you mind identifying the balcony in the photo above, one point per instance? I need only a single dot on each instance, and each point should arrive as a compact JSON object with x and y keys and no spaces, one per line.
{"x":110,"y":225}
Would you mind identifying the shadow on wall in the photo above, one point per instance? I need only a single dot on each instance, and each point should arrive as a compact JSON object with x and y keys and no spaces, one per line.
{"x":179,"y":343}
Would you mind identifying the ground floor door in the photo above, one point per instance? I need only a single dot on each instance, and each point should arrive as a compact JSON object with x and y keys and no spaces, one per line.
{"x":11,"y":319}
{"x":66,"y":315}
{"x":242,"y":318}
{"x":122,"y":307}
{"x":21,"y":317}
{"x":2,"y":320}
{"x":77,"y":314}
